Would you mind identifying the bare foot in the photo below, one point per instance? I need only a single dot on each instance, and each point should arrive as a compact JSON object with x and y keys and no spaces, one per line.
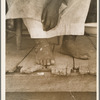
{"x":82,"y":65}
{"x":30,"y":69}
{"x":92,"y":63}
{"x":86,"y":66}
{"x":44,"y":54}
{"x":64,"y":64}
{"x":28,"y":65}
{"x":70,"y":47}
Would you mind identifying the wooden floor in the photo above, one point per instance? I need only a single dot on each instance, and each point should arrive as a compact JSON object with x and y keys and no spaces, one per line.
{"x":42,"y":80}
{"x":52,"y":96}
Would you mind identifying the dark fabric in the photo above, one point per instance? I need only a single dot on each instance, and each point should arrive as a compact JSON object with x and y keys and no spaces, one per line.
{"x":92,"y":15}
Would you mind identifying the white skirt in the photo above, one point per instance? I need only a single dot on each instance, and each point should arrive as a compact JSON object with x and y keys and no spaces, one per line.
{"x":72,"y":16}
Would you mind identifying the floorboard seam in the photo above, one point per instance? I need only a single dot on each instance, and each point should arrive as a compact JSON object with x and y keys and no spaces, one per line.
{"x":25,"y":56}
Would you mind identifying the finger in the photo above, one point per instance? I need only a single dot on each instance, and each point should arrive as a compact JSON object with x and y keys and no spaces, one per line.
{"x":68,"y":71}
{"x":52,"y":25}
{"x":43,"y":17}
{"x":55,"y":23}
{"x":47,"y":24}
{"x":48,"y":62}
{"x":41,"y":62}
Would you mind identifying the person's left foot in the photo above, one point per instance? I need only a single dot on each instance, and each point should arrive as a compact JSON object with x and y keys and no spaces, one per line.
{"x":70,"y":47}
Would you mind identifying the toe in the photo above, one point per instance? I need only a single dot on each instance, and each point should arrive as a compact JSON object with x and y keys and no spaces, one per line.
{"x":83,"y":70}
{"x":68,"y":71}
{"x":60,"y":71}
{"x":44,"y":62}
{"x":92,"y":71}
{"x":85,"y":57}
{"x":41,"y":62}
{"x":52,"y":61}
{"x":48,"y":62}
{"x":53,"y":69}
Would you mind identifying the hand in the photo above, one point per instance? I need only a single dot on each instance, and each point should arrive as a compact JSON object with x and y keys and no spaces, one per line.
{"x":50,"y":16}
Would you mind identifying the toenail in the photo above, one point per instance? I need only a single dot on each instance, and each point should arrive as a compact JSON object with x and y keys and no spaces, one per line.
{"x":85,"y":56}
{"x":48,"y":63}
{"x":41,"y":49}
{"x":88,"y":71}
{"x":52,"y":61}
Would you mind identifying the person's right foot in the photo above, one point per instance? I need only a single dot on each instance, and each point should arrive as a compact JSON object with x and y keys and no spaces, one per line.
{"x":70,"y":47}
{"x":44,"y":54}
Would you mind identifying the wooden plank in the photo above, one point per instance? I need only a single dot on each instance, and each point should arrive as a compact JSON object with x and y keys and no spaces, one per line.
{"x":51,"y":96}
{"x":28,"y":65}
{"x":9,"y":34}
{"x":86,"y":66}
{"x":49,"y":83}
{"x":14,"y":56}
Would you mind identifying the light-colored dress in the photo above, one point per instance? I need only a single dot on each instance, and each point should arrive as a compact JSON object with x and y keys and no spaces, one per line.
{"x":72,"y":16}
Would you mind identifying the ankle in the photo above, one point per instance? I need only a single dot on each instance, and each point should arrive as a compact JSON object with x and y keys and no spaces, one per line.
{"x":40,"y":44}
{"x":70,"y":37}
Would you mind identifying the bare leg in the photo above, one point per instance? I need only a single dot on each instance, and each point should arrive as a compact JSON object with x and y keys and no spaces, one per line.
{"x":10,"y":24}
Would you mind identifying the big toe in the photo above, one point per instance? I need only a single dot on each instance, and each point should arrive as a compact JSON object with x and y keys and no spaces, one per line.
{"x":84,"y":57}
{"x":52,"y":61}
{"x":48,"y":62}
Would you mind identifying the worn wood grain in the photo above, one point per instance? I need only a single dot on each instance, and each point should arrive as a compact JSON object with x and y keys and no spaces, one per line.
{"x":49,"y":83}
{"x":28,"y":65}
{"x":14,"y":56}
{"x":52,"y":96}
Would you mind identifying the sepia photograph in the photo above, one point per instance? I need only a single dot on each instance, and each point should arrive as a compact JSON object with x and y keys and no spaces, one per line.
{"x":50,"y":49}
